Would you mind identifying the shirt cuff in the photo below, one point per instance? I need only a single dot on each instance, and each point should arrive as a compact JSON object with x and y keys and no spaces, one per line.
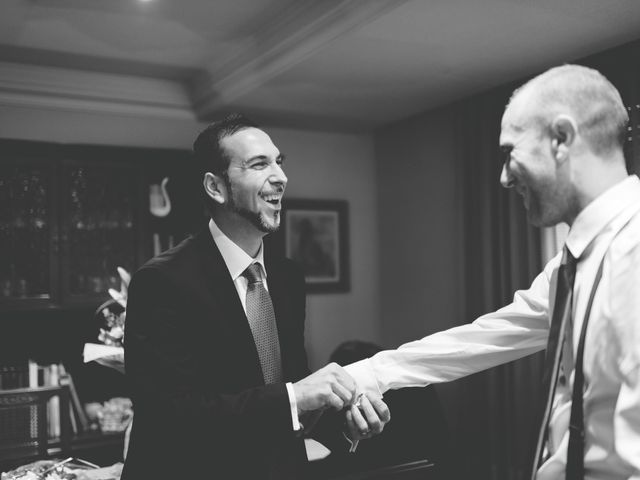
{"x":365,"y":378}
{"x":295,"y":421}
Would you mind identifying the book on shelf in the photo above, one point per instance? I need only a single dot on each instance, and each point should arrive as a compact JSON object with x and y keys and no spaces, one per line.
{"x":33,"y":374}
{"x":54,"y":403}
{"x":14,"y":375}
{"x":78,"y":414}
{"x":33,"y":383}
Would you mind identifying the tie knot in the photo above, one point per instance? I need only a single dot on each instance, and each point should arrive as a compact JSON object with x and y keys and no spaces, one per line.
{"x":568,"y":259}
{"x":253,"y":274}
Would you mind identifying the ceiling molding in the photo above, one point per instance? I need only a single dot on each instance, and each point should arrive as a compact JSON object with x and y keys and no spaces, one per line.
{"x":92,"y":63}
{"x":308,"y":26}
{"x":77,"y":90}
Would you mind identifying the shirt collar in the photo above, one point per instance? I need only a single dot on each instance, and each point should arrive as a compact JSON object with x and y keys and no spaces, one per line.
{"x":236,"y":259}
{"x":600,"y":212}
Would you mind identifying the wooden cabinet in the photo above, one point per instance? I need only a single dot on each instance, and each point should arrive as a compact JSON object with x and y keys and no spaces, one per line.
{"x":69,"y":215}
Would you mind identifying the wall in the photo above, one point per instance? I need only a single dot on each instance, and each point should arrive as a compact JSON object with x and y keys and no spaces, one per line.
{"x":339,"y":166}
{"x":319,"y":165}
{"x":418,"y":226}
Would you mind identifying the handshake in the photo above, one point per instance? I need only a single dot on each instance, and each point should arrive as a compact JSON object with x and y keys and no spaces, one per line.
{"x":333,"y":387}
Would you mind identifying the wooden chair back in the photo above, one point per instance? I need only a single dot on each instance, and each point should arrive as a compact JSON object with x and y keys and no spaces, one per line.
{"x":25,"y":419}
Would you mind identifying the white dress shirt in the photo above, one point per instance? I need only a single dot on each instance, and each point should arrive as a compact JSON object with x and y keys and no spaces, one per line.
{"x":609,"y":228}
{"x":237,"y":261}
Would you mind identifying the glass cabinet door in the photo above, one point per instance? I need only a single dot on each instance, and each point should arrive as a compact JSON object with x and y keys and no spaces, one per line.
{"x":27,"y":230}
{"x":71,"y":214}
{"x":171,"y":182}
{"x":99,"y":210}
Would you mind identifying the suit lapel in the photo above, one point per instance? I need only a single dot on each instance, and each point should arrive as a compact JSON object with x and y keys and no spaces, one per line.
{"x":229,"y":314}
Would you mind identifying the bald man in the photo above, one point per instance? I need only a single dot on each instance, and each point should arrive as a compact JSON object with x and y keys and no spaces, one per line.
{"x":562,"y":136}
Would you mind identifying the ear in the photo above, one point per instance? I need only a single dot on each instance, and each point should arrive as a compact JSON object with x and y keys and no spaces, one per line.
{"x":563,"y":136}
{"x":215,"y":187}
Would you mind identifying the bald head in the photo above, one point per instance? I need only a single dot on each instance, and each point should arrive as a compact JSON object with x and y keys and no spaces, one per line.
{"x":583,"y":94}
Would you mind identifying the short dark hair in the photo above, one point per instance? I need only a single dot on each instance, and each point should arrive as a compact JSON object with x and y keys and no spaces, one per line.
{"x":209,"y":156}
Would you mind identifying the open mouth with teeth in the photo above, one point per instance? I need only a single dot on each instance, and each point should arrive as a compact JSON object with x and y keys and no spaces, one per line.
{"x":272,"y":199}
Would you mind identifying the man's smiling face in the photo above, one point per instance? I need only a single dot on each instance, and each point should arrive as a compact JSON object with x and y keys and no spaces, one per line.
{"x":529,"y":166}
{"x":255,"y":180}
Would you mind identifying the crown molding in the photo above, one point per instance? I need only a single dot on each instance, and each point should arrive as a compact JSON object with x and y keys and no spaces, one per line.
{"x":302,"y":30}
{"x":91,"y":92}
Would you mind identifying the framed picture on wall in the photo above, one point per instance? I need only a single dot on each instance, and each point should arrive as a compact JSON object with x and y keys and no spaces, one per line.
{"x":315,"y":234}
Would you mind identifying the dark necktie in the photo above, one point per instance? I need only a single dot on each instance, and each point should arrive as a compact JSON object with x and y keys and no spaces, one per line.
{"x":561,"y":318}
{"x":262,"y":320}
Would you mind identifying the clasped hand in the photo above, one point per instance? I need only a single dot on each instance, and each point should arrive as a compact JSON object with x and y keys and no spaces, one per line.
{"x":333,"y":387}
{"x":367,"y":417}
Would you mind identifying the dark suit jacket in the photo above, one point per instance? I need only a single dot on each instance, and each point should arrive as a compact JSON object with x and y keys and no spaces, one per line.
{"x":201,"y":407}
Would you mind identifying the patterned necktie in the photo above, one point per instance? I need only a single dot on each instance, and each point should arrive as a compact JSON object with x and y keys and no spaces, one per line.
{"x":561,"y":319}
{"x":262,"y":320}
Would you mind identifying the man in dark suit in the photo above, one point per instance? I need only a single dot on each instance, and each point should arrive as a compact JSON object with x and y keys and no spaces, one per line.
{"x":214,"y":344}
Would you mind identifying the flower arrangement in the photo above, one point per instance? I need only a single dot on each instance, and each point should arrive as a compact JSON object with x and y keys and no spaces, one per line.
{"x":115,"y":414}
{"x":112,"y":314}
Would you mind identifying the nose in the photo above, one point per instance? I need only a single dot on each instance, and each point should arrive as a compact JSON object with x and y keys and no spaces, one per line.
{"x":278,"y":176}
{"x":506,"y":178}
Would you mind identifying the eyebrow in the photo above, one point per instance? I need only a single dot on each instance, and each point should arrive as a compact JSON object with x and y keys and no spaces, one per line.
{"x":280,"y":157}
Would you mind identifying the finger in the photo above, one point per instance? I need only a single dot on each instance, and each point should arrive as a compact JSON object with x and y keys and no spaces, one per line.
{"x":342,"y":392}
{"x":381,"y":409}
{"x":354,"y":434}
{"x":361,"y":424}
{"x":347,"y":382}
{"x":375,"y":425}
{"x":341,"y":376}
{"x":334,"y":401}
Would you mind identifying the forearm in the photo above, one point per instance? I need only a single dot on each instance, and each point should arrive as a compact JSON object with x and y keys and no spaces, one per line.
{"x":512,"y":332}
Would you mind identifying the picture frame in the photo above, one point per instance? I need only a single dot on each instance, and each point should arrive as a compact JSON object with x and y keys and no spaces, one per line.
{"x":314,"y":233}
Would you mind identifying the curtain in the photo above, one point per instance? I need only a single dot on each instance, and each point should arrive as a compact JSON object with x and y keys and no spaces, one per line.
{"x":501,"y":253}
{"x":621,"y":66}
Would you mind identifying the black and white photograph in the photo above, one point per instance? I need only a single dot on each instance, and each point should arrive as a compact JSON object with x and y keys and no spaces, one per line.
{"x":320,"y":240}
